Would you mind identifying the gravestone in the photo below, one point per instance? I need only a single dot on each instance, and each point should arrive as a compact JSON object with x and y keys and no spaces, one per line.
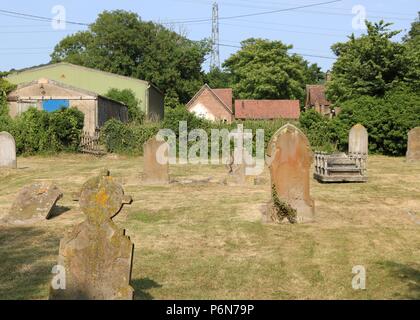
{"x":289,"y":159}
{"x":34,"y":202}
{"x":236,"y":172}
{"x":358,"y":140}
{"x":413,"y":145}
{"x":155,"y":172}
{"x":7,"y":151}
{"x":96,"y":255}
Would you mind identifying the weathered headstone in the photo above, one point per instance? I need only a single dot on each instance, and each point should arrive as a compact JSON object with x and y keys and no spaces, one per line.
{"x":358,"y":140}
{"x":359,"y":147}
{"x":413,"y":144}
{"x":96,"y":256}
{"x":34,"y":202}
{"x":236,"y":172}
{"x":7,"y":151}
{"x":155,"y":172}
{"x":289,"y":159}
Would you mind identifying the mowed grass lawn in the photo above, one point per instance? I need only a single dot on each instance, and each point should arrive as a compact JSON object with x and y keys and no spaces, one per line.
{"x":206,"y":241}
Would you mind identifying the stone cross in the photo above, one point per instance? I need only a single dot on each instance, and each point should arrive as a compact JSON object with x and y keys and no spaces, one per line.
{"x":154,"y":171}
{"x":289,"y":159}
{"x":413,"y":144}
{"x":7,"y":151}
{"x":96,"y":256}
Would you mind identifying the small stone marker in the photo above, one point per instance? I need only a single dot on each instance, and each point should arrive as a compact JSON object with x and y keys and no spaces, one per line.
{"x":236,"y":172}
{"x":7,"y":151}
{"x":34,"y":202}
{"x":96,"y":255}
{"x":358,"y":140}
{"x":413,"y":144}
{"x":289,"y":159}
{"x":153,"y":171}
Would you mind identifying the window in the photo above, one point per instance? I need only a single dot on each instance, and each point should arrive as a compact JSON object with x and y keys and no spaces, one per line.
{"x":53,"y":105}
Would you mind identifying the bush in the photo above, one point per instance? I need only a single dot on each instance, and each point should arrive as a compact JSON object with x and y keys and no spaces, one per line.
{"x":122,"y":138}
{"x":42,"y":132}
{"x":386,"y":119}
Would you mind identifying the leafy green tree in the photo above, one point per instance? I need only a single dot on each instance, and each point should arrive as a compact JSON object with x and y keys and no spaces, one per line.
{"x":412,"y":56}
{"x":264,"y":69}
{"x":128,"y":97}
{"x":120,"y":42}
{"x":217,"y":78}
{"x":368,"y":65}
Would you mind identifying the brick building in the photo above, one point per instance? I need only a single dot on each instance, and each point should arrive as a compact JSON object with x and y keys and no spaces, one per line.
{"x":212,"y":104}
{"x":267,"y":109}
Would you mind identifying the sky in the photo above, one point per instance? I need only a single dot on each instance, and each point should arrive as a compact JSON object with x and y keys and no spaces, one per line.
{"x":311,"y":30}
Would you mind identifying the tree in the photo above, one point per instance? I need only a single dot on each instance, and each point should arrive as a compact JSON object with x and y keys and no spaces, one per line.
{"x":368,"y":65}
{"x":411,"y":56}
{"x":217,"y":78}
{"x":264,"y":69}
{"x":128,"y":98}
{"x":120,"y":42}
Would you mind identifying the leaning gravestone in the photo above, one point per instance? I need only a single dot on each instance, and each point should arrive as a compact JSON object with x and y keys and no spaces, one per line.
{"x":289,"y":159}
{"x":153,"y":171}
{"x":96,"y":255}
{"x":7,"y":151}
{"x":34,"y":202}
{"x":358,"y":140}
{"x":413,"y":144}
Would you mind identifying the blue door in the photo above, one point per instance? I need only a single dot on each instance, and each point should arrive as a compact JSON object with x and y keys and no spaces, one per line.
{"x":53,"y":105}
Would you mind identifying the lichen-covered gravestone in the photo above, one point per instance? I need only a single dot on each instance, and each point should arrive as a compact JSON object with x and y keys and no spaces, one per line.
{"x":154,"y":171}
{"x":413,"y":144}
{"x":96,"y":255}
{"x":289,"y":159}
{"x":358,"y":140}
{"x":34,"y":202}
{"x":7,"y":151}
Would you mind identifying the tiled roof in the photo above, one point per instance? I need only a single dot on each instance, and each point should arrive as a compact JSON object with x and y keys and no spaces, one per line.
{"x":267,"y":109}
{"x":225,"y":95}
{"x":316,"y":93}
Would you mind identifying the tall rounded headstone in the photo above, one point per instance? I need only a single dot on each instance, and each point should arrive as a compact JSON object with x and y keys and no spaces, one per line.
{"x":358,"y":140}
{"x":289,"y":158}
{"x":7,"y":151}
{"x":413,"y":144}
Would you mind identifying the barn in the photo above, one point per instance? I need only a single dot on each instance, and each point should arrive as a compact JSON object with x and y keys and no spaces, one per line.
{"x":50,"y":95}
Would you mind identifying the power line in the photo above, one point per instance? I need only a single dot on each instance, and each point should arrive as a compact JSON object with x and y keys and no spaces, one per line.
{"x":260,"y":13}
{"x":304,"y":55}
{"x":38,"y":18}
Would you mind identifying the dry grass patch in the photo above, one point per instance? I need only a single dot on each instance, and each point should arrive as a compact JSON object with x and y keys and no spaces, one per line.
{"x":206,"y":241}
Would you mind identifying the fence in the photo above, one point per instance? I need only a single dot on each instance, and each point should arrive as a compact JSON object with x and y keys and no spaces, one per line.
{"x":89,"y":143}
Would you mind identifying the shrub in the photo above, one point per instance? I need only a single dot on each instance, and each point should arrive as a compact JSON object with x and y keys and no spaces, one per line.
{"x":42,"y":132}
{"x":128,"y":139}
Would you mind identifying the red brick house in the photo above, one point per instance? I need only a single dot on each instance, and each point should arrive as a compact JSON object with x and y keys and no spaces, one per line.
{"x":267,"y":109}
{"x":316,"y":99}
{"x":212,"y":104}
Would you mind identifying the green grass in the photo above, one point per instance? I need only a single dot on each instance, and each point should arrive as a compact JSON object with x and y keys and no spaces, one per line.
{"x":206,"y":241}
